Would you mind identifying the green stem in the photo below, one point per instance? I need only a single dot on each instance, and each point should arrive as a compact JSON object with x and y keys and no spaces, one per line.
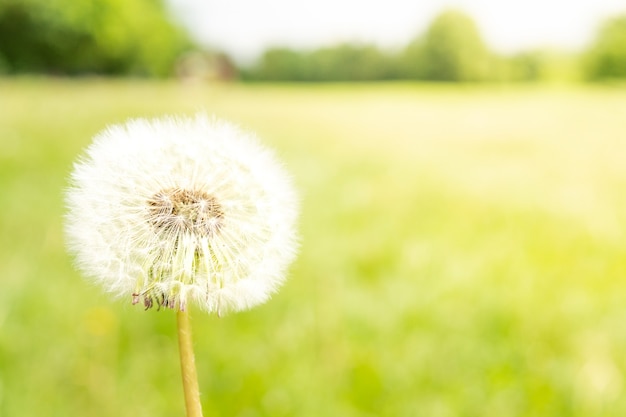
{"x":188,"y":366}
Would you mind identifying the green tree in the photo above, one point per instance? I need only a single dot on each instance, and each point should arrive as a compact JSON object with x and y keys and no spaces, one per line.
{"x":99,"y":36}
{"x":606,"y":58}
{"x":343,"y":62}
{"x":450,"y":50}
{"x":349,"y":63}
{"x":278,"y":64}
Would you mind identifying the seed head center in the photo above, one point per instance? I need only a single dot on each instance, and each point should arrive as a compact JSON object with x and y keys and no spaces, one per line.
{"x":180,"y":210}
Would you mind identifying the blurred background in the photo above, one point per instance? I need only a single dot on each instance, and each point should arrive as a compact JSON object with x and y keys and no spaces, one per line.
{"x":463,"y":181}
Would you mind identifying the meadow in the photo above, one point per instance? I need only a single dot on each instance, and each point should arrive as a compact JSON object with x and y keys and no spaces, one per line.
{"x":463,"y":253}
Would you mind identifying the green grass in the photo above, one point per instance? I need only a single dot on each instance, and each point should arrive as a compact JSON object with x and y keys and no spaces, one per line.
{"x":463,"y":254}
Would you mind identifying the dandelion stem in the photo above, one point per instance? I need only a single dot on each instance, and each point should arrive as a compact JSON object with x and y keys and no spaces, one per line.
{"x":188,"y":365}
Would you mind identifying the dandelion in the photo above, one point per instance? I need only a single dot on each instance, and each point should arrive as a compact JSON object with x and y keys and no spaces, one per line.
{"x":173,"y":211}
{"x":170,"y":210}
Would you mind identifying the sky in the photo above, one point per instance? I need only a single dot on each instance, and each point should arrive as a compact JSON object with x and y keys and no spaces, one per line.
{"x":245,"y":28}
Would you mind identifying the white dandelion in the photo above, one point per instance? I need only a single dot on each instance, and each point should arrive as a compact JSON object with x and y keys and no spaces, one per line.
{"x":172,"y":210}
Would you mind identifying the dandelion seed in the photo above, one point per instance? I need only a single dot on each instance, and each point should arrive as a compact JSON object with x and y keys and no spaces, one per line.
{"x":177,"y":210}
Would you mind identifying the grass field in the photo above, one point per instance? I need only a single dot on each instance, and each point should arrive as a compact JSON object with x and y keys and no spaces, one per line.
{"x":463,"y":254}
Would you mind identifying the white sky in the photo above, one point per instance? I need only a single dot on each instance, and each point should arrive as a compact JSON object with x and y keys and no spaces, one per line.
{"x":244,"y":28}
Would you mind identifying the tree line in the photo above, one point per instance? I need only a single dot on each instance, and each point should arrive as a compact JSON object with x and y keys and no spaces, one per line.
{"x":451,"y":50}
{"x":137,"y":37}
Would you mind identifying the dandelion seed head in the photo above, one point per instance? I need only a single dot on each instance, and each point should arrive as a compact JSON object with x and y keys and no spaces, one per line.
{"x":177,"y":210}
